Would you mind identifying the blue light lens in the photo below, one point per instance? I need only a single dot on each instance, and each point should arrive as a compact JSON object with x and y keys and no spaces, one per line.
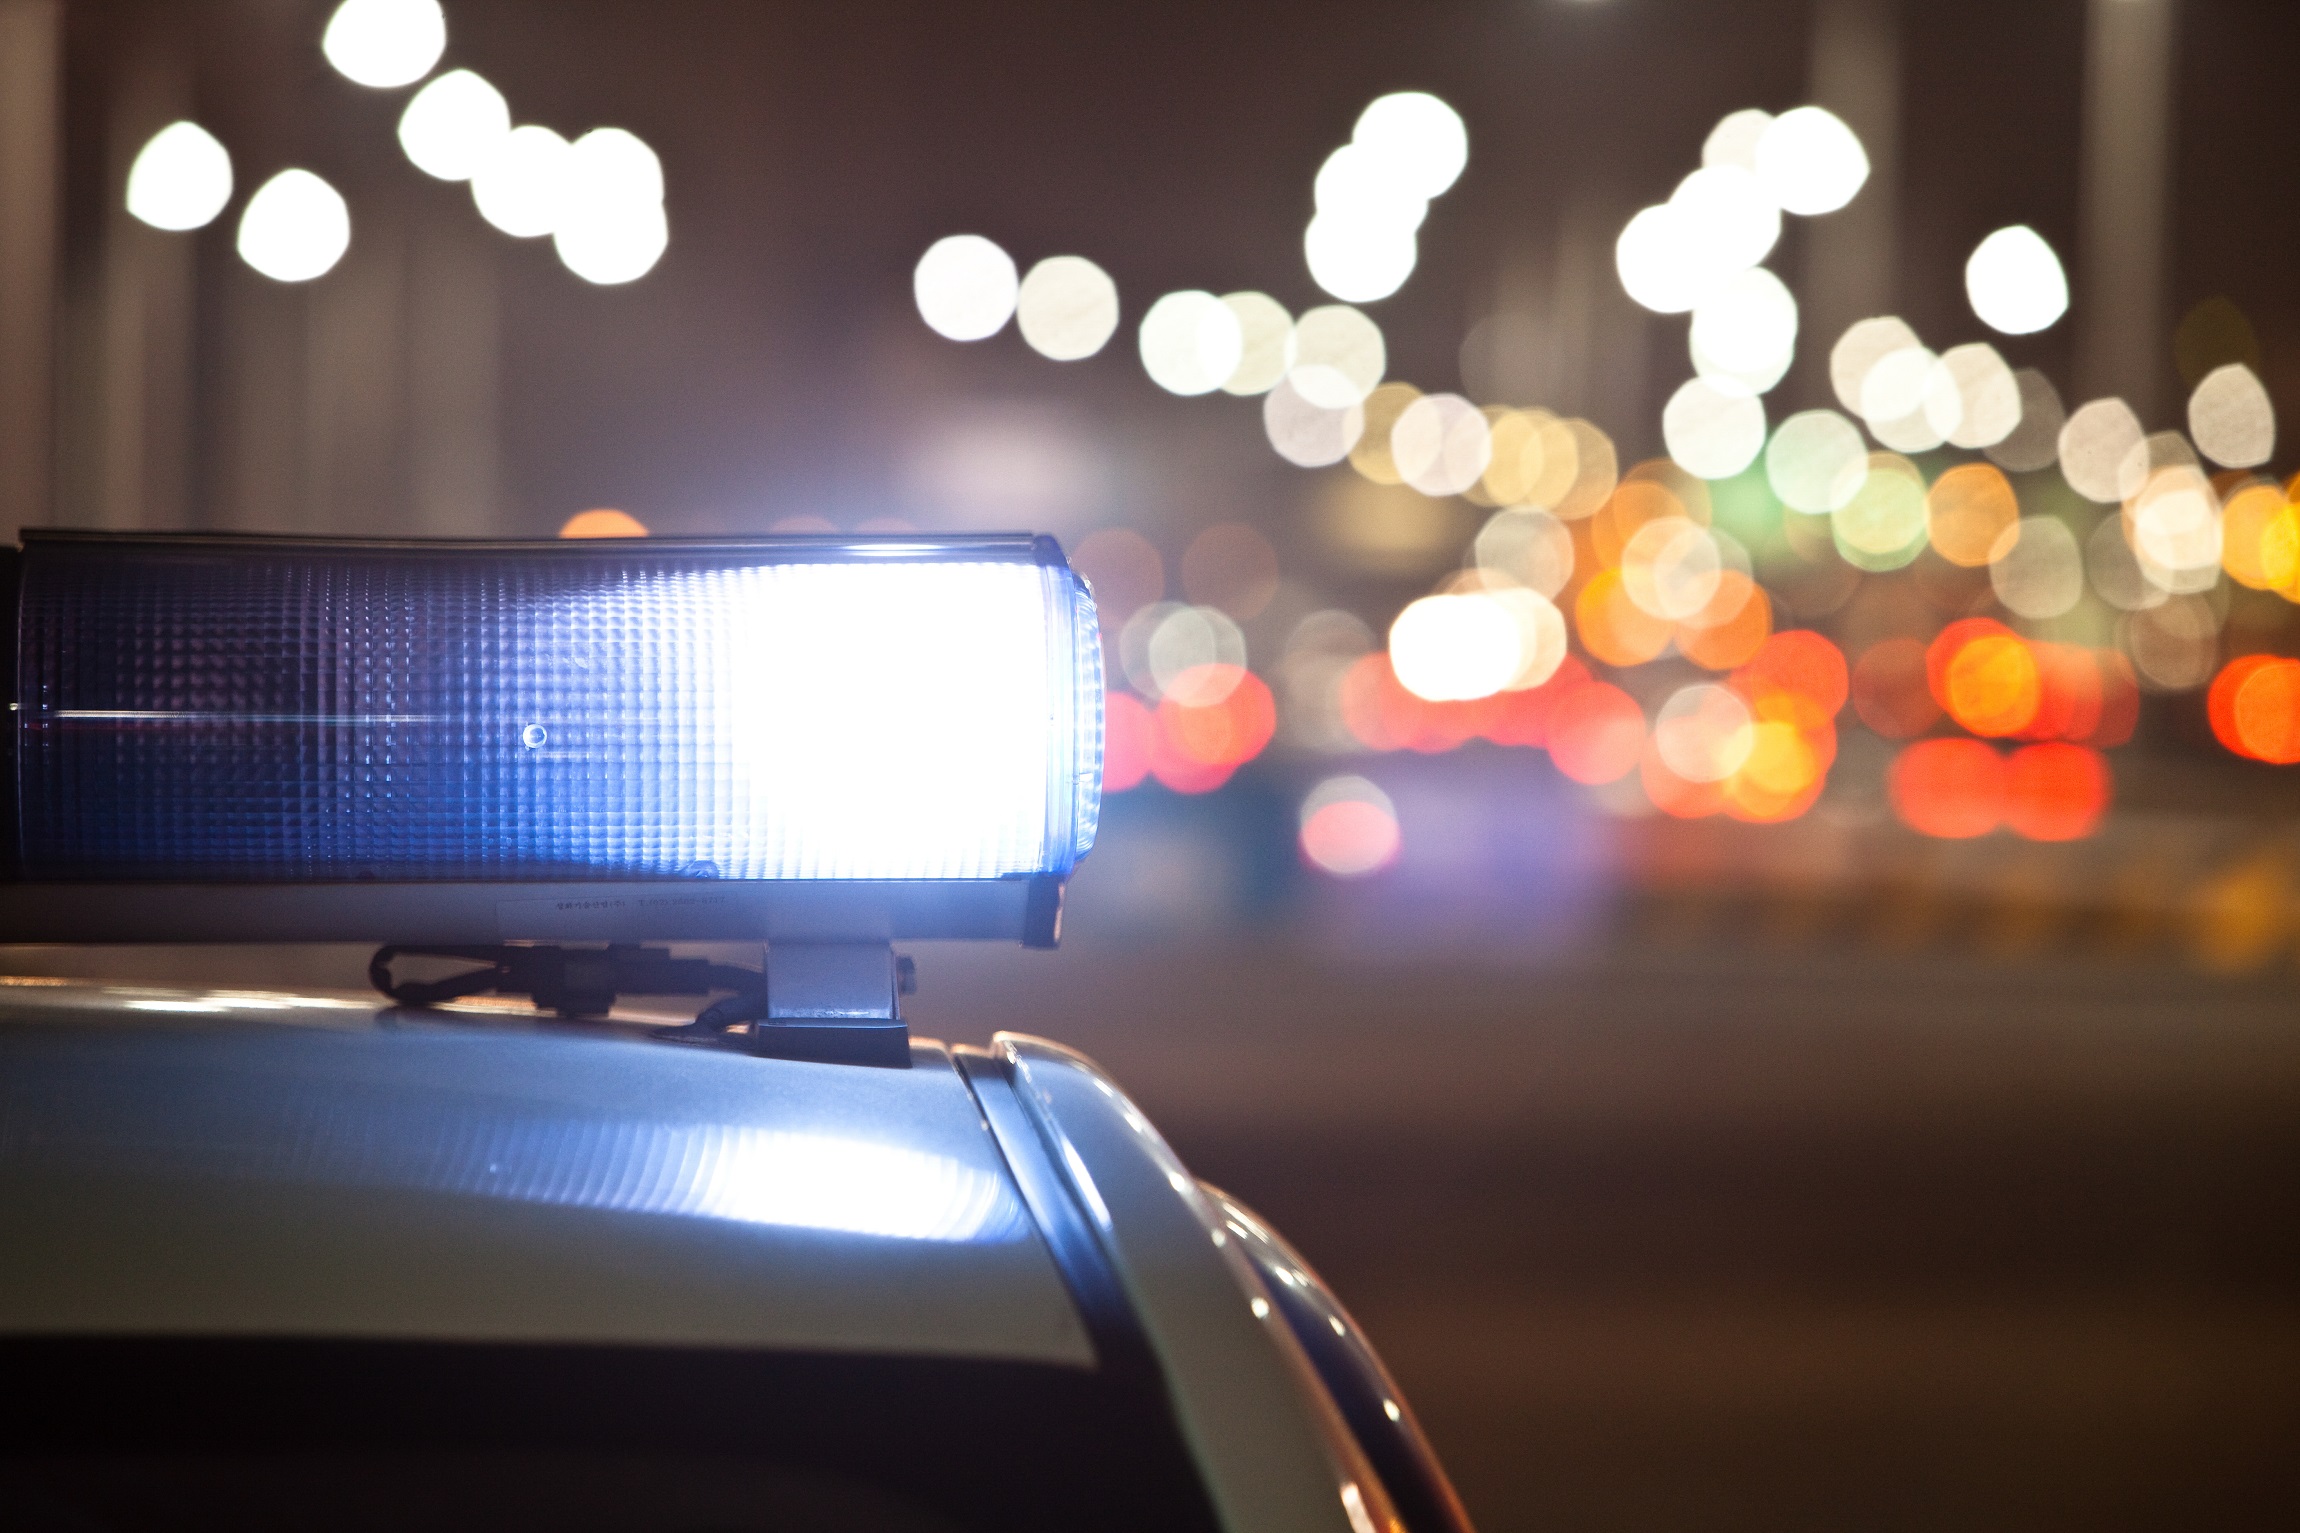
{"x":210,"y":709}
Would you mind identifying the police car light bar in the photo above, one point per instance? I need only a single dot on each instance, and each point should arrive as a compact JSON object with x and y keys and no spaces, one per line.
{"x":229,"y":738}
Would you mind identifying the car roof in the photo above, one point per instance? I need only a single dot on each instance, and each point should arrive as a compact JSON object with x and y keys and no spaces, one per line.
{"x":237,"y":1162}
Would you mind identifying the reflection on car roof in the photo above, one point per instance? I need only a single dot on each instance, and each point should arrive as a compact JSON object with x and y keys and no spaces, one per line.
{"x":241,"y":1162}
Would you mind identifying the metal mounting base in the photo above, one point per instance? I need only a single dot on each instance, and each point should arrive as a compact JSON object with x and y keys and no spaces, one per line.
{"x":832,"y":1002}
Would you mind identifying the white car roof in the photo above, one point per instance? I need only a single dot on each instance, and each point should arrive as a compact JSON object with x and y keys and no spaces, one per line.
{"x":238,"y":1163}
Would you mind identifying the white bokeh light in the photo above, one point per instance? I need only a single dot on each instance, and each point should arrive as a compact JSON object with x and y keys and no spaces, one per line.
{"x":611,"y":227}
{"x":181,"y":178}
{"x":1810,"y":161}
{"x":1358,"y":258}
{"x":1732,"y":217}
{"x":1441,"y":444}
{"x":1703,"y":733}
{"x":1067,"y":308}
{"x":2232,"y":417}
{"x":1656,"y":260}
{"x":295,"y":227}
{"x":1191,"y":342}
{"x":521,"y":187}
{"x":1713,"y":427}
{"x":1972,"y":398}
{"x":1339,"y":356}
{"x":453,"y":124}
{"x":385,"y":43}
{"x":1455,"y":648}
{"x":1419,"y":135}
{"x":1734,"y":140}
{"x":966,"y":287}
{"x":1816,"y":461}
{"x":2015,"y":282}
{"x":1746,"y":330}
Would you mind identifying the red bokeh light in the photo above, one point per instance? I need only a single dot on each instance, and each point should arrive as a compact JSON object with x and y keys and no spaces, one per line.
{"x":1198,"y":746}
{"x":1522,"y":718}
{"x":2056,"y":792}
{"x":1952,"y":788}
{"x":1129,"y":739}
{"x":2069,"y":694}
{"x":1596,"y":733}
{"x":1801,"y":661}
{"x":1350,"y":838}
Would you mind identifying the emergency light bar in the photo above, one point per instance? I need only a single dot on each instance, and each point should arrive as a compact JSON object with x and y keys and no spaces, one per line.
{"x":226,"y":738}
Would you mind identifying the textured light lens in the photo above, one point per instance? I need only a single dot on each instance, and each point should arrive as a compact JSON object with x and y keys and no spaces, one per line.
{"x":897,"y":709}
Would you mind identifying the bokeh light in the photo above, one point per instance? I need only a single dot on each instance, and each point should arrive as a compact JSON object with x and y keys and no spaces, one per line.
{"x":2056,"y":792}
{"x":1671,"y":567}
{"x":2174,"y":524}
{"x":2036,"y":568}
{"x":1455,"y":647}
{"x":1215,"y":717}
{"x":1734,"y":140}
{"x":611,"y":227}
{"x":965,"y":286}
{"x":1810,"y":161}
{"x":1349,"y":827}
{"x":1613,"y":628}
{"x":521,"y":186}
{"x":1339,"y":356}
{"x":1528,"y":545}
{"x":2173,"y":646}
{"x":1191,"y":342}
{"x":2260,"y":538}
{"x":1732,"y":628}
{"x":1967,"y":510}
{"x":1373,"y":456}
{"x":453,"y":125}
{"x":1703,"y":733}
{"x":603,"y":523}
{"x":1989,"y":683}
{"x":2034,"y":443}
{"x":180,"y":179}
{"x":1265,"y":342}
{"x":1714,"y":427}
{"x":1194,"y":650}
{"x":1745,"y":330}
{"x":1066,"y":308}
{"x":2015,"y":282}
{"x":1864,"y":344}
{"x":1882,"y":527}
{"x":1596,"y":733}
{"x":1129,"y":741}
{"x":2232,"y":418}
{"x":1417,"y":134}
{"x":1309,"y":435}
{"x":1816,"y":461}
{"x":295,"y":227}
{"x":2254,"y":707}
{"x":1950,"y":788}
{"x":1972,"y":398}
{"x":1441,"y":444}
{"x":385,"y":43}
{"x":2094,"y":445}
{"x":1358,"y":259}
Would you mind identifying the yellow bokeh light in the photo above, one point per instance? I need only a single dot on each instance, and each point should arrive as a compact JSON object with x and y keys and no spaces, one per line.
{"x":1372,"y":456}
{"x":2260,"y":537}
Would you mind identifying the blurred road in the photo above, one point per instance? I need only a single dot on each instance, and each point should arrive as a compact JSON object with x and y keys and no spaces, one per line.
{"x":1725,"y":1235}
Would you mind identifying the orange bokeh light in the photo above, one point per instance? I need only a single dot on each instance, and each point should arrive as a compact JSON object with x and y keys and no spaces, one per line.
{"x":1990,"y":684}
{"x":603,"y":523}
{"x":2254,"y":706}
{"x":2056,"y":792}
{"x":1951,"y":788}
{"x":1382,"y":715}
{"x":1522,"y":717}
{"x":1596,"y":733}
{"x":1744,"y":621}
{"x":1614,"y":628}
{"x":1226,"y":733}
{"x":1129,"y":737}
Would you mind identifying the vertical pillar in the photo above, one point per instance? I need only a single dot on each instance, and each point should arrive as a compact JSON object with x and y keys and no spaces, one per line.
{"x":30,"y":69}
{"x":2119,"y":297}
{"x":1852,"y":255}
